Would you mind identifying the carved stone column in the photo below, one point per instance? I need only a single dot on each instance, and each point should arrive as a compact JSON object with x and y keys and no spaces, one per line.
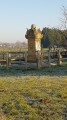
{"x":34,"y":42}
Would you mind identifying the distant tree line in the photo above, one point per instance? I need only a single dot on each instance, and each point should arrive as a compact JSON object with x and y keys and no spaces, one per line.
{"x":17,"y":45}
{"x":54,"y":37}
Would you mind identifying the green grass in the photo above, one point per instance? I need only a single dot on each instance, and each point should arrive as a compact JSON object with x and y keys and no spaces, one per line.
{"x":47,"y":71}
{"x":21,"y":91}
{"x":18,"y":93}
{"x":61,"y":49}
{"x":11,"y":50}
{"x":22,"y":50}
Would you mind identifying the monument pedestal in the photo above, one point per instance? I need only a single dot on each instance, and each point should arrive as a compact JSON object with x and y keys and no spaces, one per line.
{"x":34,"y":42}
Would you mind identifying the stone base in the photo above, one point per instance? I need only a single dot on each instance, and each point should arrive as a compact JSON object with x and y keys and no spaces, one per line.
{"x":32,"y":57}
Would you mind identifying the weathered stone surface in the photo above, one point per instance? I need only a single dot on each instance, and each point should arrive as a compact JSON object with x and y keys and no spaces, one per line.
{"x":34,"y":41}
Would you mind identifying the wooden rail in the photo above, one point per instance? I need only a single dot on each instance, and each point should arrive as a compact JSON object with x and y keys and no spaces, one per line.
{"x":20,"y":58}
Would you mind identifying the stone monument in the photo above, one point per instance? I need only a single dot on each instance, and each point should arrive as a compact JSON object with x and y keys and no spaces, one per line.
{"x":34,"y":42}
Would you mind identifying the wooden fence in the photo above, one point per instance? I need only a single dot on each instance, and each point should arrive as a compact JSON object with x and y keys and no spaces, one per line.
{"x":44,"y":58}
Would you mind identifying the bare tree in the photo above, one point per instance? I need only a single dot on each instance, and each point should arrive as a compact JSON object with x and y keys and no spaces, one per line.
{"x":18,"y":44}
{"x":64,"y":19}
{"x":63,"y":30}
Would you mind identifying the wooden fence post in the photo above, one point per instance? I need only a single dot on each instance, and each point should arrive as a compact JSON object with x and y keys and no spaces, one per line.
{"x":23,"y":56}
{"x":3,"y":56}
{"x":41,"y":58}
{"x":7,"y":60}
{"x":38,"y":60}
{"x":58,"y":57}
{"x":49,"y":57}
{"x":26,"y":60}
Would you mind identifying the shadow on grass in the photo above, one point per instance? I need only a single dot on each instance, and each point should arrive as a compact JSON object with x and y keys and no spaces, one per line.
{"x":18,"y":71}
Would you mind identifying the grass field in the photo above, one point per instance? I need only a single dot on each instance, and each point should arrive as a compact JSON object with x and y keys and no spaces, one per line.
{"x":22,"y":50}
{"x":33,"y":94}
{"x":11,"y":50}
{"x":46,"y":71}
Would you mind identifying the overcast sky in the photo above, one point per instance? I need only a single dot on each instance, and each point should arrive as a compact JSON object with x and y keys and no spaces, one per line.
{"x":17,"y":15}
